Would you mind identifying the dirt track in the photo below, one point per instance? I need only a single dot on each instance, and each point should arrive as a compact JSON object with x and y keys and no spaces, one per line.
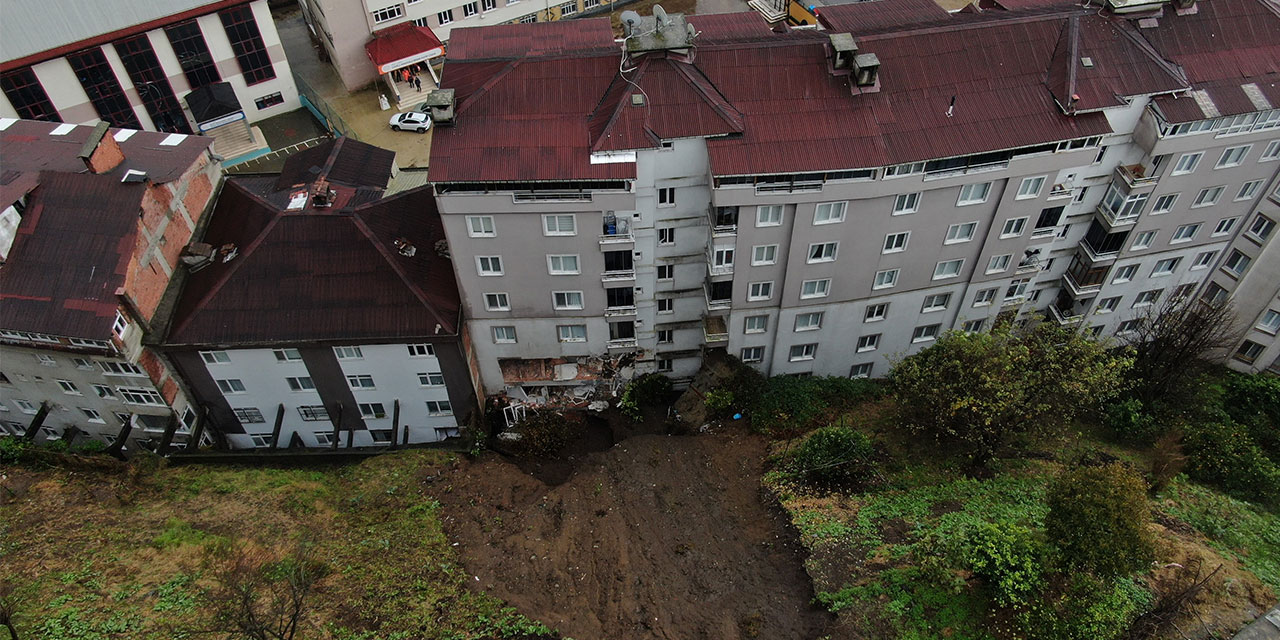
{"x":657,"y":537}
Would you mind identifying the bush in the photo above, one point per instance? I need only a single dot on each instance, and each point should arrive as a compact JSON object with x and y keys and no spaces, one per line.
{"x":834,"y":456}
{"x":1085,"y":607}
{"x":1224,"y":454}
{"x":1167,"y":461}
{"x":800,"y":404}
{"x":1099,"y":520}
{"x":719,"y":402}
{"x":650,"y":389}
{"x":1254,"y":401}
{"x":90,"y":446}
{"x":544,"y":432}
{"x":1009,"y":558}
{"x":1129,"y":421}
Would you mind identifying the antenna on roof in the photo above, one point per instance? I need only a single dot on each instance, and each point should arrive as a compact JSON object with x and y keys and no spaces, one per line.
{"x":951,"y":109}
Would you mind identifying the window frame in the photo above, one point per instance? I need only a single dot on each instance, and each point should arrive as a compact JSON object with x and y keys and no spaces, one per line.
{"x":568,"y":297}
{"x":471,"y":222}
{"x":892,"y":246}
{"x":558,"y":219}
{"x":885,"y":279}
{"x":760,"y":217}
{"x":759,"y":291}
{"x":959,"y":226}
{"x":494,"y":330}
{"x":496,"y":303}
{"x":562,"y":271}
{"x":757,"y":261}
{"x":488,"y":272}
{"x":842,"y":206}
{"x":821,"y":288}
{"x":1037,"y":181}
{"x":939,"y":274}
{"x":962,"y":201}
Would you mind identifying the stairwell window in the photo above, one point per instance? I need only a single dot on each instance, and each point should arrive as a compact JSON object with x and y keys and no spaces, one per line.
{"x":974,"y":194}
{"x":666,"y":336}
{"x":830,"y":213}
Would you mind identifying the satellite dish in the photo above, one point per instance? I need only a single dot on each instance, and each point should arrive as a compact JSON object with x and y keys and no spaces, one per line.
{"x":630,"y":20}
{"x":661,"y":14}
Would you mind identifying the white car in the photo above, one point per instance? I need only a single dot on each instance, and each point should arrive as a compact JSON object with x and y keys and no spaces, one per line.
{"x":411,"y":121}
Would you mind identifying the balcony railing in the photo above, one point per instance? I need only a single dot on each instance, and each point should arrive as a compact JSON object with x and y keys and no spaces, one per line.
{"x":571,"y":196}
{"x":1113,"y":219}
{"x":962,"y":171}
{"x":1096,"y":256}
{"x":621,"y":343}
{"x":1065,"y":318}
{"x":716,"y":304}
{"x":1059,"y":191}
{"x":788,"y":187}
{"x":715,"y":329}
{"x":614,"y":312}
{"x":719,"y":270}
{"x":1135,"y":175}
{"x":1028,"y":266}
{"x":722,"y":227}
{"x":1078,"y":289}
{"x":618,"y":275}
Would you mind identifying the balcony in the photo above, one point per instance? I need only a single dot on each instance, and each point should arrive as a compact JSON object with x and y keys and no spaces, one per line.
{"x":1113,"y":221}
{"x":1059,"y":192}
{"x":724,"y":221}
{"x":717,"y":304}
{"x":1135,"y":175}
{"x":714,"y":269}
{"x":715,"y":329}
{"x":788,"y":187}
{"x":1028,"y":265}
{"x":616,"y":230}
{"x":619,"y":312}
{"x":1077,"y":289}
{"x":1067,"y":317}
{"x":621,"y":275}
{"x":621,"y":343}
{"x":1095,"y":256}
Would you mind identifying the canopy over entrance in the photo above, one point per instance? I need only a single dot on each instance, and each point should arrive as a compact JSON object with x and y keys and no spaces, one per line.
{"x":402,"y":45}
{"x":213,"y":105}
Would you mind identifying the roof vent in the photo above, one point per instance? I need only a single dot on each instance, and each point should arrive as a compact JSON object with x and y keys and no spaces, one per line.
{"x":133,"y":175}
{"x":442,"y":249}
{"x":1086,"y":62}
{"x":440,"y":106}
{"x":841,"y":50}
{"x":867,"y":71}
{"x":405,"y":248}
{"x":637,"y":99}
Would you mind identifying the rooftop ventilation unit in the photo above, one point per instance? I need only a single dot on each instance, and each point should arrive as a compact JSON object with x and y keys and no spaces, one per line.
{"x":440,"y":106}
{"x":842,"y":50}
{"x":866,"y":70}
{"x":1135,"y":6}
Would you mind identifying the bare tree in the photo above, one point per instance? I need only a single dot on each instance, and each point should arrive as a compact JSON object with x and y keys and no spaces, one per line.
{"x":9,"y":608}
{"x":260,"y":595}
{"x":1175,"y":342}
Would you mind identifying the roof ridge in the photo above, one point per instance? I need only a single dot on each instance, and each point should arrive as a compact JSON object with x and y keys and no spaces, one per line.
{"x":390,"y":260}
{"x":235,"y":267}
{"x":489,"y":84}
{"x":1174,"y":69}
{"x":621,"y":104}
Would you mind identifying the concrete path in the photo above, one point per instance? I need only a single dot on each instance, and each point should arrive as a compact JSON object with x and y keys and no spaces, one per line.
{"x":1265,"y":628}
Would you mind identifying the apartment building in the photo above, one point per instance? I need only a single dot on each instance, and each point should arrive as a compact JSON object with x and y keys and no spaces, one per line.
{"x":92,"y":233}
{"x":180,"y":67}
{"x":327,"y":315}
{"x":823,"y":201}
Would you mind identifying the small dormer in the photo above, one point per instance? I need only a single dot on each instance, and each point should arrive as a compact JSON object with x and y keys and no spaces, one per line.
{"x":842,"y":51}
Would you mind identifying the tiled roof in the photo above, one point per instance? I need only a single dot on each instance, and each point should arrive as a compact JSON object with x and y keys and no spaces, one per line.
{"x":71,"y":254}
{"x":319,"y":274}
{"x":1224,"y":47}
{"x":569,"y":38}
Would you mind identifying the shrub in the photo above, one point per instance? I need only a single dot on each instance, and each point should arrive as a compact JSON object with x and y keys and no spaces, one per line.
{"x":544,"y":432}
{"x":1224,"y":454}
{"x":1167,"y":460}
{"x":90,"y":446}
{"x":13,"y":450}
{"x":1254,"y":400}
{"x":834,"y":456}
{"x":1128,"y":421}
{"x":650,"y":389}
{"x":719,"y":402}
{"x":804,"y":403}
{"x":1009,"y":558}
{"x":1086,"y":607}
{"x":1098,"y":520}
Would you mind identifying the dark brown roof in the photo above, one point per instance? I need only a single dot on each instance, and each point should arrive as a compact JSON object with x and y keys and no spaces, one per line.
{"x":71,"y":254}
{"x":320,"y":274}
{"x":1120,"y":63}
{"x":343,"y":160}
{"x":27,"y":146}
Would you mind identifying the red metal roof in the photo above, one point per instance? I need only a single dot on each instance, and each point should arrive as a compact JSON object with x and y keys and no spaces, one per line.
{"x":1121,"y":63}
{"x":679,"y":102}
{"x":400,"y":42}
{"x":71,"y":254}
{"x":592,"y":36}
{"x":342,"y":160}
{"x":27,"y":146}
{"x":319,"y":274}
{"x":878,"y":16}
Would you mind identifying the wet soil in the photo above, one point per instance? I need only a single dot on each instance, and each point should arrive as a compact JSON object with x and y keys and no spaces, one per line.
{"x":634,"y":533}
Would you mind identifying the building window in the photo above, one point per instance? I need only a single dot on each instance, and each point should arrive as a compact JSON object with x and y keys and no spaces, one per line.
{"x":246,"y":43}
{"x":830,"y":212}
{"x":862,"y":370}
{"x":1143,"y":240}
{"x":1233,"y":157}
{"x":667,"y":197}
{"x":100,"y":84}
{"x":962,"y":232}
{"x":1129,"y":326}
{"x":489,"y":265}
{"x":360,"y":381}
{"x":248,"y":415}
{"x":973,"y":326}
{"x":1236,"y":263}
{"x":666,"y":235}
{"x":481,"y":227}
{"x":313,"y":413}
{"x":876,"y":312}
{"x":490,"y":5}
{"x":1107,"y":305}
{"x":1125,"y":273}
{"x":372,"y":410}
{"x":822,"y":252}
{"x":568,"y":9}
{"x":666,"y":336}
{"x":421,"y":350}
{"x":46,"y":360}
{"x":769,"y":215}
{"x":559,"y":225}
{"x":1013,"y":227}
{"x":115,"y":368}
{"x":973,"y":194}
{"x":666,"y":272}
{"x":268,"y":101}
{"x":445,"y":17}
{"x":142,"y":65}
{"x":439,"y":408}
{"x":348,"y":353}
{"x":1187,"y":163}
{"x":301,"y":383}
{"x":1164,"y":204}
{"x":103,"y":391}
{"x":215,"y":357}
{"x":496,"y":302}
{"x":759,"y":291}
{"x":1270,"y":321}
{"x":763,"y":254}
{"x":567,"y":300}
{"x":755,"y":324}
{"x":905,"y":203}
{"x":572,"y":332}
{"x":936,"y":302}
{"x":869,"y":343}
{"x":193,"y":54}
{"x":723,"y":257}
{"x":999,"y":263}
{"x":1271,"y":152}
{"x":529,"y":19}
{"x":504,"y":335}
{"x":27,"y":96}
{"x":142,"y":395}
{"x":1261,"y":228}
{"x":470,"y":9}
{"x":1248,"y":190}
{"x":287,"y":355}
{"x":666,"y":305}
{"x":885,"y":279}
{"x":947,"y":269}
{"x":1204,"y":260}
{"x":1185,"y":233}
{"x":815,"y":288}
{"x":753,"y":354}
{"x":665,"y":365}
{"x":69,"y":388}
{"x":908,"y":169}
{"x":25,"y":406}
{"x":1017,"y":289}
{"x":802,"y":352}
{"x":925,"y":333}
{"x":809,"y":321}
{"x":896,"y":242}
{"x":92,"y":416}
{"x":1208,"y":197}
{"x":1147,"y":298}
{"x":1248,"y":351}
{"x":1030,"y":188}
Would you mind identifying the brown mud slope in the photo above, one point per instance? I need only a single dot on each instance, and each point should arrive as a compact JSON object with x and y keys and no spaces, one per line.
{"x":656,"y":537}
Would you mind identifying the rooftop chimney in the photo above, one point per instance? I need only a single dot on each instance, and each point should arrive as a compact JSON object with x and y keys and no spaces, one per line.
{"x":867,"y":72}
{"x":440,"y":106}
{"x":841,"y":50}
{"x":101,"y":153}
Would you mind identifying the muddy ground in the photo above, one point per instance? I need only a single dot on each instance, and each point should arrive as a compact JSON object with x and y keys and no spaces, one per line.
{"x":656,"y":536}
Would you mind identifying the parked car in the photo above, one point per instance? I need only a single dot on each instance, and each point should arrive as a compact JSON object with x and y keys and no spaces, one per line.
{"x":411,"y":121}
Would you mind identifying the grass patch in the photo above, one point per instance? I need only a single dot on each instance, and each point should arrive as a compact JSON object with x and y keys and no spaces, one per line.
{"x":1236,"y":528}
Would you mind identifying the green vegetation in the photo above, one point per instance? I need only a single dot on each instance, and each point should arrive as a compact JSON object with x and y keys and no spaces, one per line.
{"x":794,"y":404}
{"x":648,"y":390}
{"x":147,"y":557}
{"x":1099,"y":520}
{"x":545,"y":431}
{"x":835,"y":457}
